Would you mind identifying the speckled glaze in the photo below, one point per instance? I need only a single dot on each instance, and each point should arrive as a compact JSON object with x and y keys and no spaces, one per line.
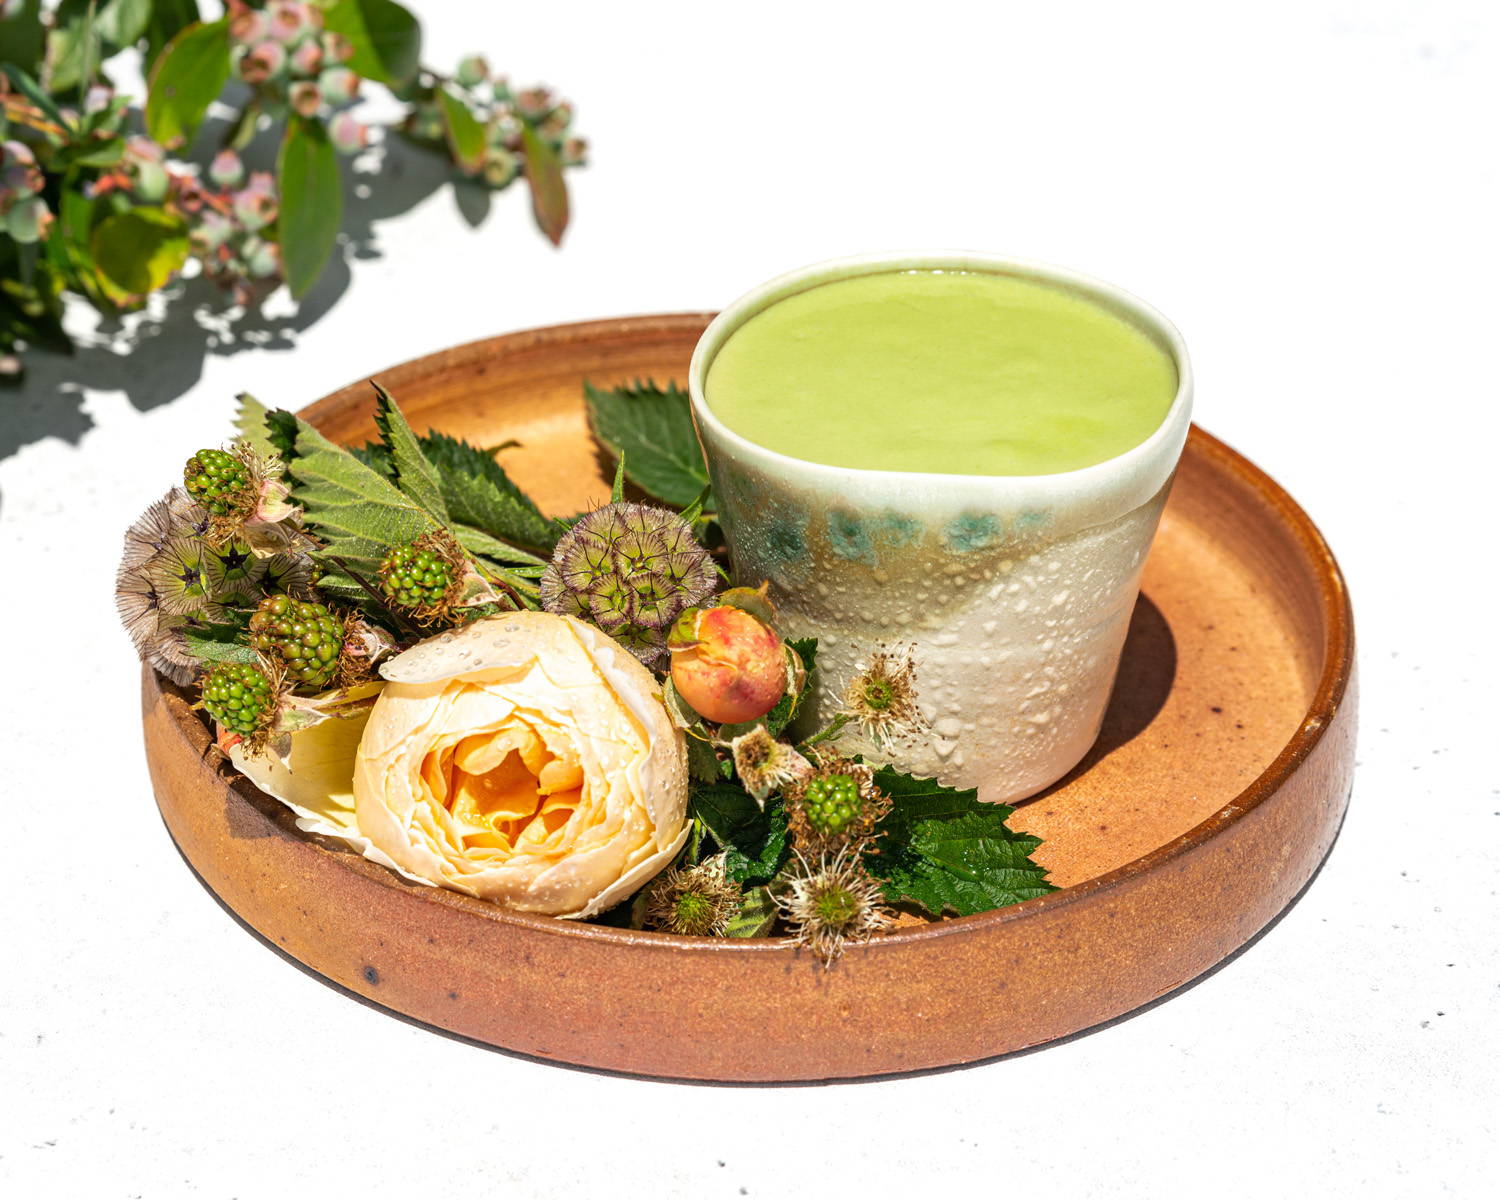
{"x":1015,"y":591}
{"x":1211,"y":796}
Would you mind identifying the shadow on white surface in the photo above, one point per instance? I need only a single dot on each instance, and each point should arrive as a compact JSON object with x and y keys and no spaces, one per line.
{"x":157,"y":356}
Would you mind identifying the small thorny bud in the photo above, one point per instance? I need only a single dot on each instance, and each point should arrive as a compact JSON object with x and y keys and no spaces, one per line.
{"x":304,"y":637}
{"x":838,"y":806}
{"x":631,"y":570}
{"x":832,"y":903}
{"x":423,"y":577}
{"x":220,"y":482}
{"x":240,"y":697}
{"x":695,"y":901}
{"x":832,"y":803}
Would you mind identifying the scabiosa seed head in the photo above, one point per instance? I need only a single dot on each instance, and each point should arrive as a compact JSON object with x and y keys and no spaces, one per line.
{"x":630,"y":569}
{"x":695,"y":901}
{"x":833,"y":902}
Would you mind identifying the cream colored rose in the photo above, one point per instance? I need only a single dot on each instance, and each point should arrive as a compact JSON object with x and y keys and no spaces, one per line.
{"x":525,"y":759}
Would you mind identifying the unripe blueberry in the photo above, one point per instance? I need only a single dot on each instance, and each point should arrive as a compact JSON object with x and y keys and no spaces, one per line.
{"x":226,"y":170}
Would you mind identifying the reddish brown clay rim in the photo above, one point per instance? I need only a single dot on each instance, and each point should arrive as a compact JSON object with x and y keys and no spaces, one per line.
{"x":1330,"y":693}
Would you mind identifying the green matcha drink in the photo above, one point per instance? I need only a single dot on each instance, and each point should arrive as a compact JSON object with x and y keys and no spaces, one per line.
{"x":947,"y":371}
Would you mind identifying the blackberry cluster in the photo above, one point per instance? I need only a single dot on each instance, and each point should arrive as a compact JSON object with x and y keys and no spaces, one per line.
{"x":306,"y":637}
{"x":217,"y":480}
{"x":832,"y":803}
{"x":415,"y":578}
{"x":238,"y":696}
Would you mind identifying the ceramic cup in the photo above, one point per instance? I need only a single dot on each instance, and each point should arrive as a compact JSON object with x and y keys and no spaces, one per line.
{"x":1014,"y":593}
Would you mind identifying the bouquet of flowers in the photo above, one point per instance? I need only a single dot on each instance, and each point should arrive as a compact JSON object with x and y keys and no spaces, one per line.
{"x":581,"y":717}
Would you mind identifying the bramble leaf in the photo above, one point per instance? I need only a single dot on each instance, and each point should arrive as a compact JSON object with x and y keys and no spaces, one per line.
{"x":353,"y":509}
{"x":756,"y":915}
{"x":652,"y":429}
{"x":942,"y":848}
{"x":754,"y":838}
{"x":478,"y":492}
{"x":410,"y":470}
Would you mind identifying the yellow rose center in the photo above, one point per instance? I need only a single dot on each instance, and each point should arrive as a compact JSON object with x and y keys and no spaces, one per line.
{"x":507,"y":790}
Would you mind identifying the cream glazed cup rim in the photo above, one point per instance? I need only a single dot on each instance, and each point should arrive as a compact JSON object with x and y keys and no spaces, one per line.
{"x":1083,"y":496}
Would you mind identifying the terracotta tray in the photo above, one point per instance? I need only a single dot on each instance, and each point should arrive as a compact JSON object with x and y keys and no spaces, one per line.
{"x":1214,"y":792}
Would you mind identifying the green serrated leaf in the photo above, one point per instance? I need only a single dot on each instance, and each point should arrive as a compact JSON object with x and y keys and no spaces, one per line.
{"x":944,"y":849}
{"x":411,"y":472}
{"x":140,"y":249}
{"x":312,"y":202}
{"x":476,"y":541}
{"x":753,"y":838}
{"x":478,"y":492}
{"x":746,"y":864}
{"x":549,"y":191}
{"x":386,"y":37}
{"x":250,"y":424}
{"x":358,"y":513}
{"x":188,"y":76}
{"x":206,"y":647}
{"x":756,"y":916}
{"x":652,"y":429}
{"x":703,"y":763}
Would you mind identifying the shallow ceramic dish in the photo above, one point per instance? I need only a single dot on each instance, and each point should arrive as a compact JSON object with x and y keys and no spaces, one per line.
{"x":1214,"y":792}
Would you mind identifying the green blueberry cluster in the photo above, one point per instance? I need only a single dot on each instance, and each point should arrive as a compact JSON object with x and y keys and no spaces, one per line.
{"x":239,"y":697}
{"x":216,"y":479}
{"x":832,"y":803}
{"x":305,"y":637}
{"x":416,"y":578}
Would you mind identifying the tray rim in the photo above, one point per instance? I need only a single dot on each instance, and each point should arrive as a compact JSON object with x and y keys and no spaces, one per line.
{"x":1329,"y":694}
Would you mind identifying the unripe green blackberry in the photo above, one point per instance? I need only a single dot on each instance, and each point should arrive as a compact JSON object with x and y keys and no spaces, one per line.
{"x":417,"y":578}
{"x":217,"y":480}
{"x":239,"y":697}
{"x":303,"y":636}
{"x":832,"y":803}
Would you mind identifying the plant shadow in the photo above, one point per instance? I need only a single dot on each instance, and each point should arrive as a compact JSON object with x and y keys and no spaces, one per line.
{"x":156,"y":356}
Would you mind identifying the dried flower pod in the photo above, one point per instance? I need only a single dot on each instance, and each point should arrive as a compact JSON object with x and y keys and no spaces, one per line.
{"x":694,"y":901}
{"x":832,"y":902}
{"x":631,"y":570}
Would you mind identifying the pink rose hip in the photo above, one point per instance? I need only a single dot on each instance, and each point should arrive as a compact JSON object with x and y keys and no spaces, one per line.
{"x":728,"y":665}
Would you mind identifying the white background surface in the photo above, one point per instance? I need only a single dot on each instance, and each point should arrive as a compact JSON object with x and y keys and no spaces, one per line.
{"x":1307,"y":189}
